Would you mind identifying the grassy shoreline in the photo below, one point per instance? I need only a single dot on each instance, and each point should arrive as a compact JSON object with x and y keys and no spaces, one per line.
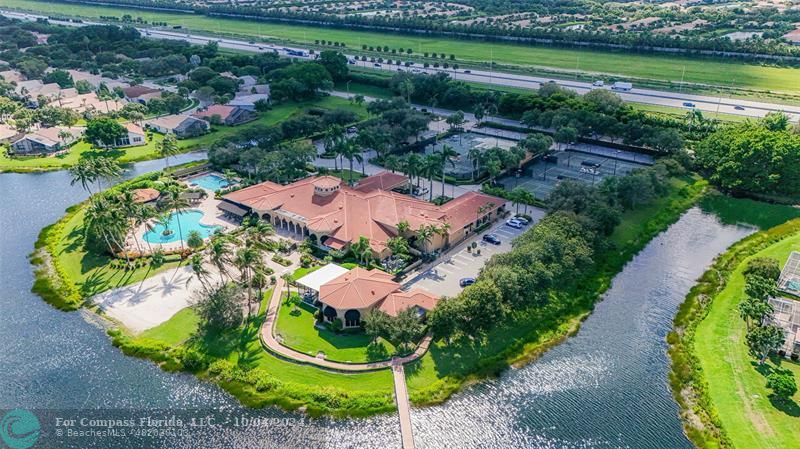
{"x":237,"y":362}
{"x":689,"y":382}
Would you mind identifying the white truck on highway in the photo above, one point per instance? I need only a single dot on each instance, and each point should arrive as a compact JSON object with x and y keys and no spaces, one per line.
{"x":622,"y":85}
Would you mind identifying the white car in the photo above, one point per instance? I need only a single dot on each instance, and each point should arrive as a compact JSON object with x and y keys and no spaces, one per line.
{"x":514,"y":224}
{"x":524,"y":221}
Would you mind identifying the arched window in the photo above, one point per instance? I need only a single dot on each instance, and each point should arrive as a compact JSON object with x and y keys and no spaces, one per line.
{"x":330,"y":313}
{"x":352,"y":318}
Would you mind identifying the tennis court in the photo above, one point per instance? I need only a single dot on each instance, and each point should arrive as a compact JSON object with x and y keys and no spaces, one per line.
{"x":543,"y":176}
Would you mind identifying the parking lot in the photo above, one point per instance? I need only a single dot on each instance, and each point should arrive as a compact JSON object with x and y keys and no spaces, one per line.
{"x":542,"y":177}
{"x":442,"y":278}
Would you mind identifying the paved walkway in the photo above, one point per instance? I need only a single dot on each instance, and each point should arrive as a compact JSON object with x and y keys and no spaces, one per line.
{"x":396,"y":364}
{"x":403,"y":407}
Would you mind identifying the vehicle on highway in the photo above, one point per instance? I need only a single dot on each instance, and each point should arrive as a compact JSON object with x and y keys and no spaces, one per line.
{"x":376,"y":65}
{"x":467,"y":71}
{"x":739,"y":107}
{"x":513,"y":224}
{"x":598,"y":83}
{"x":688,"y":104}
{"x":622,"y":86}
{"x":491,"y":238}
{"x":466,"y":282}
{"x":251,"y":42}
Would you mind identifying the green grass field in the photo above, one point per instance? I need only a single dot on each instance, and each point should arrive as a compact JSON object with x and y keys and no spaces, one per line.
{"x":736,"y":384}
{"x":657,"y":67}
{"x":91,"y":273}
{"x":296,"y":327}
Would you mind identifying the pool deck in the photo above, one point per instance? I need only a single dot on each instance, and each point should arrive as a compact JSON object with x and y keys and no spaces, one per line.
{"x":211,"y":217}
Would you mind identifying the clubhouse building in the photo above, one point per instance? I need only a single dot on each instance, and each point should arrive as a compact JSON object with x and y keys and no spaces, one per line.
{"x":334,"y":215}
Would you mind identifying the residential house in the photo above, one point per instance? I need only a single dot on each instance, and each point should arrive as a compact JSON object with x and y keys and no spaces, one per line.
{"x":248,"y":101}
{"x":12,"y":76}
{"x":247,"y":81}
{"x":134,"y":138}
{"x":47,"y":140}
{"x":335,"y":215}
{"x":81,"y":103}
{"x":226,"y":114}
{"x":182,"y":125}
{"x":140,"y":94}
{"x":7,"y":133}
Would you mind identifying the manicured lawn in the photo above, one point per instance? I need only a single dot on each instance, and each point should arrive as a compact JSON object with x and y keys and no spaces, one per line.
{"x":91,"y":272}
{"x":658,"y":67}
{"x":347,"y":175}
{"x":736,"y":384}
{"x":177,"y":329}
{"x":81,"y":149}
{"x":243,"y":346}
{"x":296,"y":326}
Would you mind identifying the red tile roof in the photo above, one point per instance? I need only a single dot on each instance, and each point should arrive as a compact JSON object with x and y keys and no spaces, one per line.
{"x":384,"y":180}
{"x":347,"y":214}
{"x":223,"y":111}
{"x":357,"y":289}
{"x":399,"y":301}
{"x":145,"y":195}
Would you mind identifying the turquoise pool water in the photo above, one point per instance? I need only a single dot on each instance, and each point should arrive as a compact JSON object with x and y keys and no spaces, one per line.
{"x":190,"y":221}
{"x":210,"y":182}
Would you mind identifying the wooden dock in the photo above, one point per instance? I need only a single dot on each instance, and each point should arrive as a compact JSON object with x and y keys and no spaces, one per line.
{"x":403,"y":407}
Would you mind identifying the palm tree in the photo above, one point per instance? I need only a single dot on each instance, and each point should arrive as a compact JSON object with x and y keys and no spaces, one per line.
{"x":199,"y":270}
{"x":288,"y":279}
{"x":425,"y":235}
{"x":413,"y":162}
{"x":444,"y":231}
{"x":104,"y":220}
{"x":446,"y":156}
{"x":131,"y":210}
{"x":246,"y":260}
{"x":351,"y":151}
{"x":178,"y":204}
{"x":403,"y":227}
{"x":168,"y":147}
{"x":362,"y":250}
{"x":474,"y":155}
{"x":106,"y":168}
{"x":219,"y":253}
{"x":85,"y":173}
{"x":142,"y":217}
{"x":428,"y":168}
{"x":332,"y":137}
{"x":393,"y":163}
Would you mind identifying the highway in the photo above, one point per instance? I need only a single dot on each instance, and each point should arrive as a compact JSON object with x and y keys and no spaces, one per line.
{"x":705,"y":103}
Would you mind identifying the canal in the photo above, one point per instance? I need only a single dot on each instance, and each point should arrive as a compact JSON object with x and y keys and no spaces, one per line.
{"x":604,"y":388}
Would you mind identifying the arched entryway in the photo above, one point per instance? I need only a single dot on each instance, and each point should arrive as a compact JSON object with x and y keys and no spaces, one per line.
{"x":330,"y":313}
{"x":352,"y":318}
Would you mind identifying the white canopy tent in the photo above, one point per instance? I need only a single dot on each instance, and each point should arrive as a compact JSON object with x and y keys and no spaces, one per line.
{"x":316,"y":279}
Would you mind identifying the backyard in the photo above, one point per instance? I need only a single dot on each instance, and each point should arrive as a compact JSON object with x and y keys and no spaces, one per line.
{"x":736,"y":384}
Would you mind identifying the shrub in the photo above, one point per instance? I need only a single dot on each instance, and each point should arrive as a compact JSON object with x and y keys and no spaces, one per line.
{"x":782,"y":384}
{"x":193,"y":360}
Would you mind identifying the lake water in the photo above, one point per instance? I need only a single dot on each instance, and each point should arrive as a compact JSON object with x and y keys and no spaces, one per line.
{"x":604,"y":388}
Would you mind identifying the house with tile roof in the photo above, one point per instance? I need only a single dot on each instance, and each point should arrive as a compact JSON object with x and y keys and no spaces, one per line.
{"x":47,"y":140}
{"x":334,"y":215}
{"x":182,"y":125}
{"x":225,"y":114}
{"x":350,"y":296}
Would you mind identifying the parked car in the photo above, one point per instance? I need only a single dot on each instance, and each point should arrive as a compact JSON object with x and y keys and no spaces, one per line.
{"x":514,"y":224}
{"x":491,"y":238}
{"x":522,"y":220}
{"x":466,"y":282}
{"x":688,"y":104}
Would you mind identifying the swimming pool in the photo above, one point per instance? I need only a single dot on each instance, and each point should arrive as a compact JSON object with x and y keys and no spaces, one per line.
{"x":210,"y":182}
{"x":189,"y":221}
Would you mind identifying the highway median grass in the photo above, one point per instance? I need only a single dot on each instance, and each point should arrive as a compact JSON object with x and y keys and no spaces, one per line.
{"x":692,"y":69}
